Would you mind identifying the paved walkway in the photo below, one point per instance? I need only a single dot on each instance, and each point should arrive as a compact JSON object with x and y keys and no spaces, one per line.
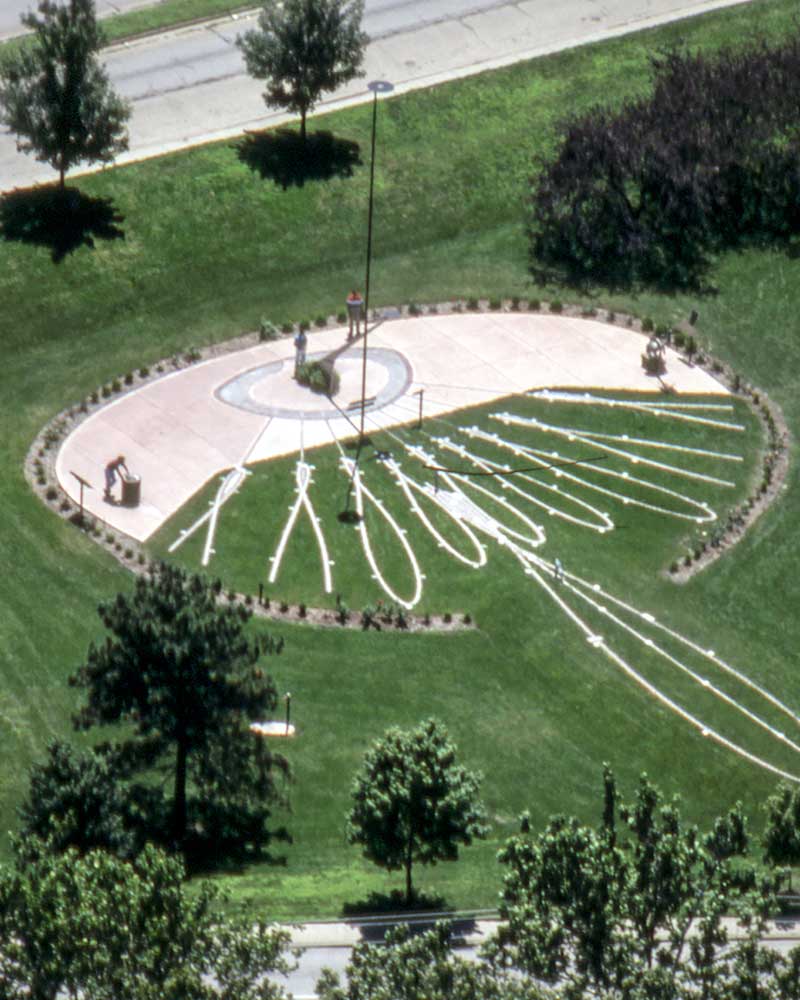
{"x":188,"y":426}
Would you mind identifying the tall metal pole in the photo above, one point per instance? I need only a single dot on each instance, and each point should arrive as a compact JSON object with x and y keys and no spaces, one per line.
{"x":369,"y":261}
{"x":377,"y":87}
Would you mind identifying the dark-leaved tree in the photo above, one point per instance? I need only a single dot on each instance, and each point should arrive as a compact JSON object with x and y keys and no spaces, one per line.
{"x":56,"y":96}
{"x":180,"y":672}
{"x":302,"y":48}
{"x":75,"y":800}
{"x":782,"y":832}
{"x":649,"y":191}
{"x":413,"y":803}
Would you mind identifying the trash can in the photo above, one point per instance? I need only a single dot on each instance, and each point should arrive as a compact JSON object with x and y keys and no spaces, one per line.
{"x":131,"y":490}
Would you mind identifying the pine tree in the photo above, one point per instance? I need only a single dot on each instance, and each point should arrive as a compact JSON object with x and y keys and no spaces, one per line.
{"x":180,"y":671}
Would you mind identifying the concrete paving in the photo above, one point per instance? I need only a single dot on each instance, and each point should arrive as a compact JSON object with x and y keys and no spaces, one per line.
{"x":189,"y":87}
{"x":183,"y":429}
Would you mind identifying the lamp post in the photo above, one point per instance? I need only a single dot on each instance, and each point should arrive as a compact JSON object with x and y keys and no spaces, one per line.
{"x":377,"y":87}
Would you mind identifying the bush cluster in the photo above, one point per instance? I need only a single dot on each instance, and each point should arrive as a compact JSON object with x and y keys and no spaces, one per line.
{"x":319,"y":377}
{"x":710,"y":160}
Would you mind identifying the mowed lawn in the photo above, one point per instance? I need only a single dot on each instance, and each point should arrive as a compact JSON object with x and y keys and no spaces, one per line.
{"x":209,"y":248}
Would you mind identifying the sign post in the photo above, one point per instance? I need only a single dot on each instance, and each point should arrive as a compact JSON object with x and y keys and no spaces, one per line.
{"x":83,"y":483}
{"x":420,"y":393}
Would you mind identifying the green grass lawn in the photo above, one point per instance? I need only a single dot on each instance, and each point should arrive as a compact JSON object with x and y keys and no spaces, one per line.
{"x":209,"y":248}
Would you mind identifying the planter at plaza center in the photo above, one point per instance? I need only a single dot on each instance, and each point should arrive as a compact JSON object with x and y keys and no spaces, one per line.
{"x":319,"y":376}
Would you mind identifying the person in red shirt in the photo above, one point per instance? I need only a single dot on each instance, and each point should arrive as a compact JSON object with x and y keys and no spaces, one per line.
{"x":354,"y":306}
{"x":112,"y":470}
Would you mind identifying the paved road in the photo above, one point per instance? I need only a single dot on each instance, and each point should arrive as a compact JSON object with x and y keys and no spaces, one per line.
{"x":11,"y":10}
{"x":190,"y":58}
{"x":189,"y":86}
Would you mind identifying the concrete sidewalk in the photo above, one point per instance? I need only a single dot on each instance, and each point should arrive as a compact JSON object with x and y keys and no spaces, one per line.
{"x":347,"y":934}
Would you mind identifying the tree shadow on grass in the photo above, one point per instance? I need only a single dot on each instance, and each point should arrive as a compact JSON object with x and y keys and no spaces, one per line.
{"x":283,"y":157}
{"x":61,"y":220}
{"x":204,"y":857}
{"x":379,"y":912}
{"x":220,"y":843}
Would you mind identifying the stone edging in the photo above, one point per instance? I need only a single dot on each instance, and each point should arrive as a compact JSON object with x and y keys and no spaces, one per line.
{"x":39,"y":465}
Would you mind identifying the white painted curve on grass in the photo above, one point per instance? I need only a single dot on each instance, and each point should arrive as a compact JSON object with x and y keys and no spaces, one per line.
{"x":409,"y":486}
{"x":679,"y":665}
{"x":533,"y":567}
{"x":228,"y":488}
{"x":549,"y":458}
{"x":707,"y":654}
{"x":588,"y":438}
{"x":678,"y":411}
{"x":303,"y":479}
{"x":602,"y":522}
{"x":362,"y":492}
{"x":537,"y":536}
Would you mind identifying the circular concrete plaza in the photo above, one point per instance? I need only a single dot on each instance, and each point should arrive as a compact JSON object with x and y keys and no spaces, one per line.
{"x":245,"y":407}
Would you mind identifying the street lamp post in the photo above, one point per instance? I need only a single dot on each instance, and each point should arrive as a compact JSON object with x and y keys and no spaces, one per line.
{"x":377,"y":87}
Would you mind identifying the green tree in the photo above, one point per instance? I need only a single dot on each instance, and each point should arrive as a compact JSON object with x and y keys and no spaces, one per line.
{"x":782,"y":833}
{"x":421,"y":966}
{"x":96,"y":927}
{"x":303,"y":48}
{"x":608,"y":910}
{"x":412,"y":802}
{"x":56,"y":97}
{"x":74,"y":800}
{"x":179,"y":670}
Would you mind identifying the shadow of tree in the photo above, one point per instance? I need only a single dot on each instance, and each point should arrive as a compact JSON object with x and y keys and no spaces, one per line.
{"x":219,"y":839}
{"x":282,"y":156}
{"x":61,"y":220}
{"x":380,"y":911}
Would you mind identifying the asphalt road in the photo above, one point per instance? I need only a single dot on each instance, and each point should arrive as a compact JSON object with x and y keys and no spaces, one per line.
{"x":206,"y":54}
{"x":189,"y":86}
{"x":11,"y":11}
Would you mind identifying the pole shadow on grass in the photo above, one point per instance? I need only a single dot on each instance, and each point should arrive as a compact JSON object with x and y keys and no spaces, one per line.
{"x":281,"y":155}
{"x":379,"y":912}
{"x":61,"y":219}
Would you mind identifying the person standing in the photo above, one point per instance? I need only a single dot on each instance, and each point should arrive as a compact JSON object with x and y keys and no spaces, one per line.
{"x":112,"y":471}
{"x":300,"y":344}
{"x":355,"y":304}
